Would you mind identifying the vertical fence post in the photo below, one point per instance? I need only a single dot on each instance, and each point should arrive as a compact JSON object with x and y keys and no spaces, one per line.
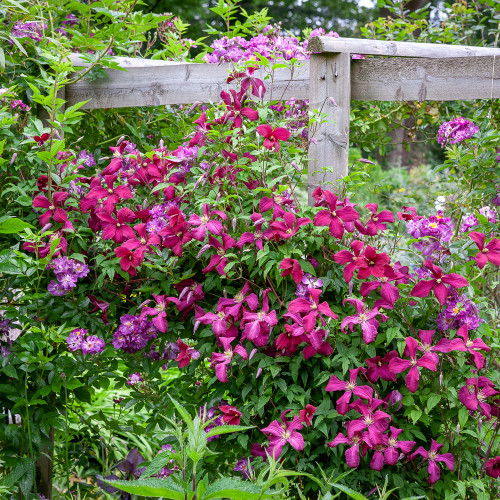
{"x":330,"y":76}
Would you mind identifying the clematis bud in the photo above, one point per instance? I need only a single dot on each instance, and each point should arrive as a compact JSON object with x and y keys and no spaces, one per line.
{"x":458,"y":429}
{"x":234,"y":223}
{"x":120,"y":140}
{"x":314,"y":140}
{"x":13,"y":159}
{"x":364,"y":160}
{"x":46,"y":228}
{"x":252,"y":353}
{"x":203,"y":249}
{"x":194,"y":106}
{"x":296,"y":167}
{"x":161,"y":143}
{"x":441,"y":379}
{"x":333,"y":102}
{"x":259,"y":371}
{"x":196,"y":326}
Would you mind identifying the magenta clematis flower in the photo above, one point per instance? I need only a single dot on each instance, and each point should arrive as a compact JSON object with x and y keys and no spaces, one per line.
{"x":280,"y":434}
{"x":235,"y":111}
{"x":365,"y":317}
{"x":222,"y":322}
{"x":111,"y":195}
{"x":256,"y":325}
{"x":317,"y":344}
{"x":438,"y":283}
{"x":490,"y":252}
{"x":475,"y":392}
{"x":276,"y":203}
{"x":220,"y":361}
{"x":53,"y":209}
{"x":219,"y":260}
{"x":205,"y":223}
{"x":143,"y":241}
{"x":373,"y":420}
{"x":391,"y":455}
{"x":377,"y":221}
{"x":159,"y":312}
{"x":351,"y":259}
{"x":313,"y":309}
{"x":492,"y":467}
{"x":258,"y":236}
{"x":117,"y":229}
{"x":288,"y":341}
{"x":186,"y":353}
{"x":292,"y":266}
{"x":334,"y":217}
{"x":372,"y":263}
{"x":176,"y":234}
{"x":426,"y":337}
{"x":130,"y":258}
{"x":352,"y":453}
{"x":272,"y":137}
{"x":398,"y":365}
{"x":231,"y":415}
{"x":468,"y":345}
{"x":234,"y":306}
{"x":288,"y":227}
{"x":379,"y":367}
{"x":249,"y":80}
{"x":432,"y":456}
{"x":350,"y":388}
{"x":307,"y":414}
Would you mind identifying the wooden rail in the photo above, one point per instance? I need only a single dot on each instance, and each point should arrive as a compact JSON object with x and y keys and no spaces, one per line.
{"x":409,"y":72}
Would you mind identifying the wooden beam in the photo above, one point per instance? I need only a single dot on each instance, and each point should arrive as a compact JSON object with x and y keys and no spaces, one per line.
{"x":321,"y":44}
{"x":417,"y":79}
{"x":178,"y":83}
{"x":330,"y":92}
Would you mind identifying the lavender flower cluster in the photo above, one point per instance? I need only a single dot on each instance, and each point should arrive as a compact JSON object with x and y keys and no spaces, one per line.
{"x":458,"y":310}
{"x":308,"y":281}
{"x":208,"y":414}
{"x":437,"y":228}
{"x":470,"y":220}
{"x":5,"y":338}
{"x":133,"y":334}
{"x":67,"y":272}
{"x":159,"y":218}
{"x":456,"y":130}
{"x":169,"y":352}
{"x":78,"y":340}
{"x":242,"y":466}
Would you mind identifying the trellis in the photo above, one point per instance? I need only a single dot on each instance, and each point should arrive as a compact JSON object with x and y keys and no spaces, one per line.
{"x":407,"y":71}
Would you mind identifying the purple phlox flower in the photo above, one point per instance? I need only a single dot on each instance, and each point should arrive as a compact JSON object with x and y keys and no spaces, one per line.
{"x":280,"y":434}
{"x":475,"y":392}
{"x":133,"y":334}
{"x":88,"y":158}
{"x":220,"y":361}
{"x":134,"y":379}
{"x":456,"y":130}
{"x":80,"y":269}
{"x":349,"y":388}
{"x":469,"y":345}
{"x":432,"y":456}
{"x":256,"y":325}
{"x":205,"y":223}
{"x":365,"y":317}
{"x":55,"y":288}
{"x":457,"y":311}
{"x":244,"y":466}
{"x":62,"y":265}
{"x":398,"y":365}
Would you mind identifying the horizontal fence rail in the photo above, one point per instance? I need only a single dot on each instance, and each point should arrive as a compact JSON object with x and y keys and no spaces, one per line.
{"x":409,"y":72}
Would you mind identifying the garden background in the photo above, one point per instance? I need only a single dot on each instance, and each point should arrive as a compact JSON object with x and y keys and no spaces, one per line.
{"x":177,"y":322}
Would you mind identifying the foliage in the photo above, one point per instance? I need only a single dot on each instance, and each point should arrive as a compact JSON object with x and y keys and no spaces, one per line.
{"x":177,"y":293}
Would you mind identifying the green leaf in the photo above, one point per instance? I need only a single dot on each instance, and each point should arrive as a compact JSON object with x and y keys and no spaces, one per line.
{"x":234,"y":489}
{"x":433,"y":401}
{"x":13,"y":225}
{"x":184,"y":414}
{"x":157,"y":463}
{"x":226,"y":429}
{"x":463,"y":415}
{"x":348,"y":491}
{"x":155,"y":488}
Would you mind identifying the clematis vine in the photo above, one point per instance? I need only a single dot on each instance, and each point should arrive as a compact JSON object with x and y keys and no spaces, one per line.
{"x":220,"y":361}
{"x":488,"y":253}
{"x":335,"y":216}
{"x":433,"y":457}
{"x":474,"y":393}
{"x":281,"y":434}
{"x":468,"y":345}
{"x":349,"y":388}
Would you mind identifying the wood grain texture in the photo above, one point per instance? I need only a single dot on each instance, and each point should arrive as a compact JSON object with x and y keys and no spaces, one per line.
{"x":417,"y":79}
{"x":179,"y":83}
{"x":321,"y":44}
{"x":328,"y":158}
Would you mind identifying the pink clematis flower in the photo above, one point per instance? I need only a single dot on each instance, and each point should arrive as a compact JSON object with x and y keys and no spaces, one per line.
{"x":307,"y":414}
{"x":288,"y":227}
{"x":490,"y":252}
{"x":349,"y":388}
{"x":222,"y":322}
{"x":205,"y":223}
{"x":292,"y":266}
{"x":231,"y":415}
{"x":256,"y":325}
{"x":234,"y":306}
{"x":373,"y":420}
{"x":313,"y":309}
{"x":219,"y":260}
{"x":53,"y":210}
{"x":432,"y":456}
{"x":351,"y":259}
{"x":220,"y":361}
{"x":249,"y":80}
{"x":377,"y":221}
{"x":398,"y":365}
{"x":143,"y":240}
{"x":468,"y":345}
{"x":290,"y":339}
{"x":159,"y":312}
{"x":280,"y":434}
{"x":111,"y":195}
{"x":475,"y":392}
{"x":117,"y":229}
{"x":258,"y":236}
{"x":334,"y":217}
{"x":391,"y":455}
{"x":272,"y":137}
{"x":372,"y":263}
{"x":318,"y":344}
{"x":379,"y":367}
{"x":365,"y":317}
{"x":130,"y":258}
{"x":186,"y":354}
{"x":235,"y":111}
{"x":426,"y":338}
{"x":352,"y":453}
{"x":438,"y":283}
{"x":176,"y":234}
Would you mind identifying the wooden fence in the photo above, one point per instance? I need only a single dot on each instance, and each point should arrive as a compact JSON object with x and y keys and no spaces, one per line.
{"x":407,"y":72}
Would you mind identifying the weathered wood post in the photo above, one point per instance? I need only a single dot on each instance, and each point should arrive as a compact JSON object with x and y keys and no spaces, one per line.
{"x":330,"y":92}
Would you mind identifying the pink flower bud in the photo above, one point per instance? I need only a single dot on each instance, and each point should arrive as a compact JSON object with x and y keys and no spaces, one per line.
{"x":332,"y":101}
{"x":314,"y":140}
{"x":259,"y":371}
{"x":196,"y":326}
{"x":46,"y":228}
{"x":203,"y":249}
{"x":364,"y":160}
{"x":120,"y":140}
{"x":234,"y":223}
{"x":13,"y":159}
{"x":194,"y":105}
{"x":252,"y":354}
